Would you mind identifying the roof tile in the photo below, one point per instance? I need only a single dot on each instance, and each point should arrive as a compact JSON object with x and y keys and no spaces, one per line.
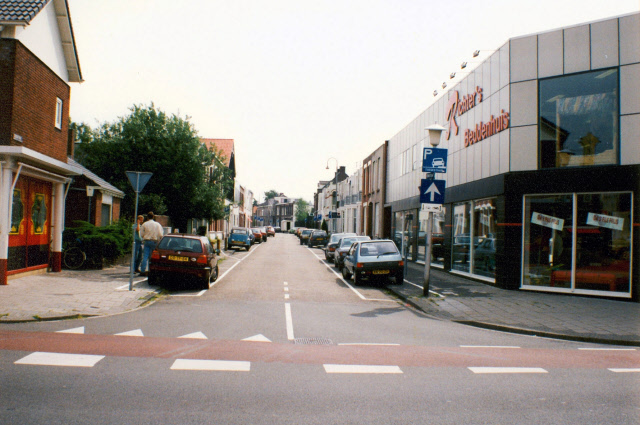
{"x":20,"y":10}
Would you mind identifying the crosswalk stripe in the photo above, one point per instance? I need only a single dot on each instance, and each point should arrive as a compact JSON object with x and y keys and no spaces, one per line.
{"x":344,"y":368}
{"x":212,"y":365}
{"x":507,"y":370}
{"x":60,"y":359}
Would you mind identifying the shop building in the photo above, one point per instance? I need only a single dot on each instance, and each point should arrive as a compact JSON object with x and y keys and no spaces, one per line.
{"x":543,"y":166}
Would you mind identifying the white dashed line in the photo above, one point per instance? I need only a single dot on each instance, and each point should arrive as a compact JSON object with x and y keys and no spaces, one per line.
{"x":481,"y":370}
{"x":212,"y":365}
{"x":195,"y":335}
{"x":60,"y":359}
{"x":344,"y":368}
{"x":488,"y":346}
{"x":369,"y":344}
{"x":607,"y":349}
{"x":625,"y":370}
{"x":79,"y":330}
{"x":287,"y":313}
{"x":137,"y":332}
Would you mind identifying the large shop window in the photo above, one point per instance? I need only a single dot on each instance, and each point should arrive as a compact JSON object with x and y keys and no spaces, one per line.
{"x":579,"y":119}
{"x":437,"y":236}
{"x":474,"y":238}
{"x":578,"y":243}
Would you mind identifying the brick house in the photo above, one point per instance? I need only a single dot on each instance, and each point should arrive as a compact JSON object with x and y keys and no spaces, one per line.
{"x":38,"y":60}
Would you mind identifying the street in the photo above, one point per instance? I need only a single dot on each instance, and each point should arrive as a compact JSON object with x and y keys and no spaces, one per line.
{"x":282,"y":338}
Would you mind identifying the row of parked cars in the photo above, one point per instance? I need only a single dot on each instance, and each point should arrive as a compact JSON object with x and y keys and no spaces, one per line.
{"x":246,"y":237}
{"x":358,"y":257}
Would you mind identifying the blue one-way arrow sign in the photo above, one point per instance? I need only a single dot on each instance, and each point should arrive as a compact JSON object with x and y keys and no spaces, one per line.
{"x":432,"y":191}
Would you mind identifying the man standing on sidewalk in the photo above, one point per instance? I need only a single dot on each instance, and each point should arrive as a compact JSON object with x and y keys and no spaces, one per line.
{"x":151,"y":232}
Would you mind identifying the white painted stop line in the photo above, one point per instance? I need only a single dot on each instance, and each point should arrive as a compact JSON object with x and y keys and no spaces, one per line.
{"x":60,"y":359}
{"x":212,"y":365}
{"x":507,"y":370}
{"x":345,"y":368}
{"x":625,"y":370}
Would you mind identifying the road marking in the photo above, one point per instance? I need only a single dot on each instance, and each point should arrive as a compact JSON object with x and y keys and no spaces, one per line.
{"x":126,"y":287}
{"x":137,"y":332}
{"x":286,"y":296}
{"x":286,"y":289}
{"x":421,"y":287}
{"x":345,"y":368}
{"x":60,"y":359}
{"x":362,"y":297}
{"x":368,"y":344}
{"x":197,"y":294}
{"x":195,"y":335}
{"x":488,"y":346}
{"x":257,"y":338}
{"x":507,"y":370}
{"x":212,"y":365}
{"x":232,"y":267}
{"x":287,"y":313}
{"x":607,"y":349}
{"x":79,"y":330}
{"x":625,"y":370}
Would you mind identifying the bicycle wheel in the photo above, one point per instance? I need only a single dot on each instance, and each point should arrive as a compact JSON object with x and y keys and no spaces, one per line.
{"x":74,"y":258}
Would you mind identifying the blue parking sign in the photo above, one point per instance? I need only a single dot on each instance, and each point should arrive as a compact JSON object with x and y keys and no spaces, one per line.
{"x":434,"y":160}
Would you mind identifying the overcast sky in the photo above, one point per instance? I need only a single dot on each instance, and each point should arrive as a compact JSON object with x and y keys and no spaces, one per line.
{"x":294,"y":82}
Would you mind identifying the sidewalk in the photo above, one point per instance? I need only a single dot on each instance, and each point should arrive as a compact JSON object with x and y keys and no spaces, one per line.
{"x":561,"y":316}
{"x":71,"y":294}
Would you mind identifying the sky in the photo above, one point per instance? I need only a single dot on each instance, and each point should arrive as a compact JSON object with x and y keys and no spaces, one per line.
{"x":299,"y":85}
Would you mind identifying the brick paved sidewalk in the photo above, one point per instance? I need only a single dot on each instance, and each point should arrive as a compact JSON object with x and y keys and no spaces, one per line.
{"x":544,"y":314}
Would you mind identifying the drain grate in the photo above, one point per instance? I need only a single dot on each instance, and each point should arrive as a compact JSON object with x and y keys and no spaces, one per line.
{"x":313,"y":341}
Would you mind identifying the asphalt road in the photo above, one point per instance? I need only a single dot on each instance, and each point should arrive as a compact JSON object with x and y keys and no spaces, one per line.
{"x":282,"y":338}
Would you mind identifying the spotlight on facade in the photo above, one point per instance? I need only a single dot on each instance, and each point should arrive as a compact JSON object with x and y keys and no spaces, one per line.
{"x":463,"y":65}
{"x":435,"y":93}
{"x":476,"y":53}
{"x":444,"y":85}
{"x":452,"y":75}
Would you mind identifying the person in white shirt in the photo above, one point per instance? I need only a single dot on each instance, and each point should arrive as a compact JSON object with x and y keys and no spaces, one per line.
{"x":151,"y":232}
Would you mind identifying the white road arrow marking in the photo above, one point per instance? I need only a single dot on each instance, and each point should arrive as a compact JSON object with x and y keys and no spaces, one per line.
{"x":195,"y":335}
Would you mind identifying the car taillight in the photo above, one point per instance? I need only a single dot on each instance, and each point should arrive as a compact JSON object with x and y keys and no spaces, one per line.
{"x":400,"y":263}
{"x":202,"y":259}
{"x":359,"y":265}
{"x":155,"y":255}
{"x":332,"y":248}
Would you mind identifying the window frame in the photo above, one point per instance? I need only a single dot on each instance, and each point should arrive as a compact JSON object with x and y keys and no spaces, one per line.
{"x":59,"y":111}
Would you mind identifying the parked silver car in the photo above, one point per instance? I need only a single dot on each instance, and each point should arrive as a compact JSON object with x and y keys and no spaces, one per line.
{"x":343,"y":247}
{"x":332,"y":245}
{"x":373,"y":259}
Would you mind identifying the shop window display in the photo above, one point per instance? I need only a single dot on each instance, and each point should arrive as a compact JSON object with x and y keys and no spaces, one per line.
{"x":579,"y":119}
{"x":599,"y":244}
{"x":474,"y":238}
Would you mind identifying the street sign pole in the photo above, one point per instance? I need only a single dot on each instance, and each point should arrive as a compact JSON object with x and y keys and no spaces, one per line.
{"x":138,"y":180}
{"x":428,"y":248}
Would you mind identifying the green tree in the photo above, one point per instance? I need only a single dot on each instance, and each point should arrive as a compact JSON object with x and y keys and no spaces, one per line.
{"x":169,"y":147}
{"x":301,"y":211}
{"x":270,"y":194}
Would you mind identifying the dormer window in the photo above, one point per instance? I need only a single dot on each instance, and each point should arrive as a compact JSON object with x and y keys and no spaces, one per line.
{"x":58,"y":113}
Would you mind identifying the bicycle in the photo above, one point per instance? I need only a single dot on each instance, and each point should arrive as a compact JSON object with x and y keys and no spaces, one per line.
{"x":74,"y":258}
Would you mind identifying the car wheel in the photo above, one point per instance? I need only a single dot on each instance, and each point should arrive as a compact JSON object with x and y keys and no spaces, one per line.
{"x":399,"y":278}
{"x":300,"y":241}
{"x":214,"y":275}
{"x":345,"y":273}
{"x":206,"y":282}
{"x":357,"y":279}
{"x":152,"y":279}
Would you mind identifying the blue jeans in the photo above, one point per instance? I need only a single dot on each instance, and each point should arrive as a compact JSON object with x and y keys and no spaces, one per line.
{"x":149,"y":246}
{"x":137,"y":255}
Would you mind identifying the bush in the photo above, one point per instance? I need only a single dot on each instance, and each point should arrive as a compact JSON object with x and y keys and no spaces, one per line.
{"x":99,"y":243}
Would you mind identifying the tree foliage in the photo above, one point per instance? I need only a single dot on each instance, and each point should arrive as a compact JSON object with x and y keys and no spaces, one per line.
{"x":301,"y":212}
{"x":167,"y":146}
{"x":270,"y":194}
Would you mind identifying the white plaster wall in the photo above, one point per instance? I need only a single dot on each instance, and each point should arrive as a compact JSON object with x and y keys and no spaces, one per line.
{"x":42,"y":37}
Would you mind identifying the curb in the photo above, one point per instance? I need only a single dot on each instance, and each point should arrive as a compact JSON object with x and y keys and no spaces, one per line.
{"x":521,"y":331}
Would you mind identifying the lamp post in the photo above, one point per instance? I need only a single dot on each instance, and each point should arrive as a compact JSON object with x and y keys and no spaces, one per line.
{"x":335,"y":223}
{"x":434,"y":132}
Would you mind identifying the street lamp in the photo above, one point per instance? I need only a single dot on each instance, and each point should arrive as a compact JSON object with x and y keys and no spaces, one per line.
{"x":335,"y":223}
{"x":434,"y":131}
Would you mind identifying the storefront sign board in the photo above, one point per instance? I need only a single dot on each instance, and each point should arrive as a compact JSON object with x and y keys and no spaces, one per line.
{"x":607,"y":221}
{"x":547,"y":221}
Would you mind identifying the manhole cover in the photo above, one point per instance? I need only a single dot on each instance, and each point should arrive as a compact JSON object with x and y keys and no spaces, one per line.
{"x":313,"y":341}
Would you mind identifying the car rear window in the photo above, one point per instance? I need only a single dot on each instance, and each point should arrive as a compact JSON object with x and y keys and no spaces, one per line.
{"x":239,"y":231}
{"x":320,"y":234}
{"x":378,"y":248}
{"x":181,"y":244}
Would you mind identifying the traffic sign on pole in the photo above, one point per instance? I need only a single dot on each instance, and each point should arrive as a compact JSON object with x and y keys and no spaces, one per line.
{"x":432,"y":191}
{"x":434,"y":160}
{"x":138,"y":179}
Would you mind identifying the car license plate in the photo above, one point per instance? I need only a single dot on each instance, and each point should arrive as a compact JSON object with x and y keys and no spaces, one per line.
{"x":176,"y":258}
{"x":381,"y":272}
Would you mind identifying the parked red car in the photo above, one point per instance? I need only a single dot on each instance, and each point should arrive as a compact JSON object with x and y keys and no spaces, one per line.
{"x":258,"y":234}
{"x":184,"y":256}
